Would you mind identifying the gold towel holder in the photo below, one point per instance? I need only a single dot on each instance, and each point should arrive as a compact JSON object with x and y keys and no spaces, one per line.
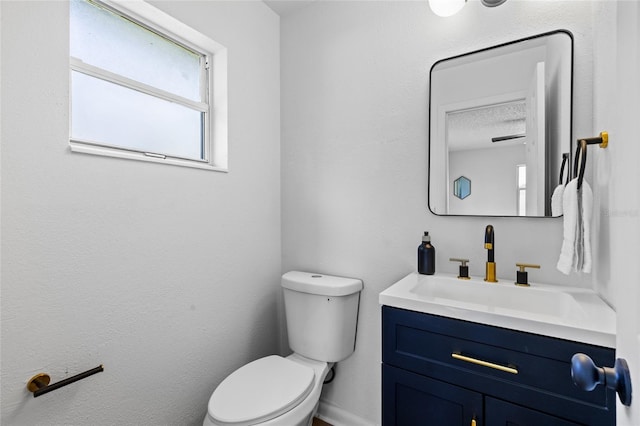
{"x":602,"y":140}
{"x":581,"y":153}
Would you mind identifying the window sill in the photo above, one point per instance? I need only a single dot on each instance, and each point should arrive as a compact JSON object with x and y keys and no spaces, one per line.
{"x":85,"y":148}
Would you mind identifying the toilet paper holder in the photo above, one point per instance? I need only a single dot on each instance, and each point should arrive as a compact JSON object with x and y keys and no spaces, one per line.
{"x":39,"y":384}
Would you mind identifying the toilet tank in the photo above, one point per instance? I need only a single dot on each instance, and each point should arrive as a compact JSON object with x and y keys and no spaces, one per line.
{"x":322,"y":314}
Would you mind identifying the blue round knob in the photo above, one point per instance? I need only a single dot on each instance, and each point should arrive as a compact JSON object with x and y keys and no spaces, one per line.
{"x":584,"y":372}
{"x":586,"y":375}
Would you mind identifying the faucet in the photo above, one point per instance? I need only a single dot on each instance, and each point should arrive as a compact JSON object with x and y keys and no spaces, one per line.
{"x":489,"y":244}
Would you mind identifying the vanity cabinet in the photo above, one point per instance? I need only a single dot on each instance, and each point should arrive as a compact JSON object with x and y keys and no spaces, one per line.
{"x":445,"y":371}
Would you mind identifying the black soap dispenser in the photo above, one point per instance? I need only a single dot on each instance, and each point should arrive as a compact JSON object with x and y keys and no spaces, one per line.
{"x":426,"y":256}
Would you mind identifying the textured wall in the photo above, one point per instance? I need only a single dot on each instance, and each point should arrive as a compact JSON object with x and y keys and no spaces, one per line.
{"x":354,"y":152}
{"x":168,"y":276}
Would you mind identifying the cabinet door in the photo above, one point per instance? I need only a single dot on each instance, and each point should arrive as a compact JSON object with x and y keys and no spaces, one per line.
{"x":409,"y":399}
{"x":501,"y":413}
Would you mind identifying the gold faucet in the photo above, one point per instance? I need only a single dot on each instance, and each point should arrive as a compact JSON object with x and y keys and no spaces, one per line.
{"x":489,"y":244}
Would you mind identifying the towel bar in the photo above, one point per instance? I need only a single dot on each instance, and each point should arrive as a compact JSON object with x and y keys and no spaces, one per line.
{"x":39,"y":384}
{"x":580,"y":160}
{"x":602,"y":140}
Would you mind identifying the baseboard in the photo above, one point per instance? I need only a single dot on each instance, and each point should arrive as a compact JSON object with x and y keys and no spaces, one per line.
{"x":337,"y":416}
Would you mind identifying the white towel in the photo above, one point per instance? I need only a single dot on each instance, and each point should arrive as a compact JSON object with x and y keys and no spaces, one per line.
{"x":587,"y":214}
{"x":569,"y":221}
{"x":578,"y":254}
{"x":556,"y":201}
{"x":575,"y":253}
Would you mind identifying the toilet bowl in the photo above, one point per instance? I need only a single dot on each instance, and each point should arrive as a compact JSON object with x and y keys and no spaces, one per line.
{"x":321,"y":314}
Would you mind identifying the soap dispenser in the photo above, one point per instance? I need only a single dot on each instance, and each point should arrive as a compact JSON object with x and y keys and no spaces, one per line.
{"x":426,"y":256}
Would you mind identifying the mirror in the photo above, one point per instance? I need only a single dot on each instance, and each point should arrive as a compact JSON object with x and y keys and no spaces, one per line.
{"x":501,"y":118}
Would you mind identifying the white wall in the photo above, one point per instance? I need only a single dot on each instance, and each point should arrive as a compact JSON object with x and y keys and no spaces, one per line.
{"x":616,"y":179}
{"x":354,"y":153}
{"x":168,"y":276}
{"x":609,"y":210}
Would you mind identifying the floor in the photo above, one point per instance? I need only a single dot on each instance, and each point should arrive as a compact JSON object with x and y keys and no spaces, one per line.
{"x":318,"y":422}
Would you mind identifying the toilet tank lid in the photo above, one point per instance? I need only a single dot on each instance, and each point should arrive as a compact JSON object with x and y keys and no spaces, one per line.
{"x":321,"y":284}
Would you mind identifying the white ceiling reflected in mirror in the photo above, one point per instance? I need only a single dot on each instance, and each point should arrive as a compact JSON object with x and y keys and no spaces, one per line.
{"x":503,"y":123}
{"x":501,"y":117}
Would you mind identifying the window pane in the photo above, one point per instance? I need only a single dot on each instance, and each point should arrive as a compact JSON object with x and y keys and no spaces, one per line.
{"x":110,"y":114}
{"x":522,"y":176}
{"x":104,"y":39}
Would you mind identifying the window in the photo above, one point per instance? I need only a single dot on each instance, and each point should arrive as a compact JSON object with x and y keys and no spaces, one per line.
{"x":145,"y":86}
{"x":521,"y":174}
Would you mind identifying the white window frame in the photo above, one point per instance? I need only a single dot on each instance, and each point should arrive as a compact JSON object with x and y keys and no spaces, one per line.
{"x":213,"y":81}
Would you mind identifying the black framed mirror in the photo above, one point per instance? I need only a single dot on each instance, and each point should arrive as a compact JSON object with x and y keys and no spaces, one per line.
{"x":501,"y":117}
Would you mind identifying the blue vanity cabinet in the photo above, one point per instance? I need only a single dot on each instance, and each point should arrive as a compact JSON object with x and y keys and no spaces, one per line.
{"x":431,"y":375}
{"x":412,"y":399}
{"x":504,"y":413}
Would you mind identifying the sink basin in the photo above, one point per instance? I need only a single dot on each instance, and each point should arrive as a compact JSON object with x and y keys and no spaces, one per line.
{"x":570,"y":313}
{"x":503,"y":298}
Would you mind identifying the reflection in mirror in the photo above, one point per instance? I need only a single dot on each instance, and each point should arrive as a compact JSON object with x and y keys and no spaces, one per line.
{"x":500,"y":117}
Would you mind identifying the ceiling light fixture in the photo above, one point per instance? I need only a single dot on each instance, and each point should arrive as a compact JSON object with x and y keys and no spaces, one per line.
{"x":492,"y":3}
{"x":446,"y":8}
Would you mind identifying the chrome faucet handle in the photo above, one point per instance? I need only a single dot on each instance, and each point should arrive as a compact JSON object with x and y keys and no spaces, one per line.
{"x":522,"y":276}
{"x":463,"y":273}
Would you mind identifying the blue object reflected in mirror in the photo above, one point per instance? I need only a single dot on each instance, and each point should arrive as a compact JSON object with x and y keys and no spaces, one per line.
{"x":462,"y":187}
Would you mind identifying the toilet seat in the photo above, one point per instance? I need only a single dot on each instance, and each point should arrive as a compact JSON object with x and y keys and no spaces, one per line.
{"x":260,"y":391}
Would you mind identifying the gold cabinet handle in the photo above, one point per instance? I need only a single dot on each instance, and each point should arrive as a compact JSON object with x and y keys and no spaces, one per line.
{"x":484,"y":363}
{"x":473,"y":422}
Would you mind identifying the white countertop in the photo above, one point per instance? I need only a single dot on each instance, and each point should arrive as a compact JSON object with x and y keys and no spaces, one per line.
{"x":570,"y":313}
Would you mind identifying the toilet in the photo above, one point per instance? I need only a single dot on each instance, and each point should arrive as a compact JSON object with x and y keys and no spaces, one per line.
{"x":321,"y":314}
